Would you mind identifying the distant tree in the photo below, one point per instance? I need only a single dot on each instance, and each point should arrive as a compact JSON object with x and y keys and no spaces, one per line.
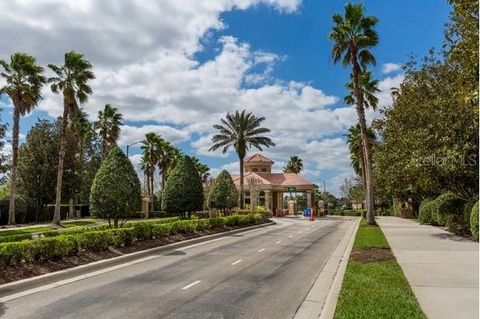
{"x":183,"y":193}
{"x":294,"y":165}
{"x":24,"y":80}
{"x":203,"y":169}
{"x":116,"y":191}
{"x":108,"y":126}
{"x":223,"y":194}
{"x":151,"y":147}
{"x":254,"y":186}
{"x":38,"y":164}
{"x":71,"y":80}
{"x":241,"y":131}
{"x":354,"y":142}
{"x":354,"y":35}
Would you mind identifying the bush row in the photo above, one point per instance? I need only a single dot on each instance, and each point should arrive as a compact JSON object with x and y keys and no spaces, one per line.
{"x":451,"y":211}
{"x":347,"y":212}
{"x":62,"y":245}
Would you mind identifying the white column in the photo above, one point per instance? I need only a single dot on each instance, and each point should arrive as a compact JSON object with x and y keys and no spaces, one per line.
{"x":267,"y":199}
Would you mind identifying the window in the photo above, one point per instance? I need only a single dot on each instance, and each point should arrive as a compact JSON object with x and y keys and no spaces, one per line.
{"x":254,"y":169}
{"x":264,"y":169}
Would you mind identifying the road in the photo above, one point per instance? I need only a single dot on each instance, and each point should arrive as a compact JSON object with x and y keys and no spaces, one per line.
{"x":264,"y":273}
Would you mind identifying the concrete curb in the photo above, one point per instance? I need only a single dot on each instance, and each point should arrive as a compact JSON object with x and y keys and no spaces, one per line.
{"x":321,"y":300}
{"x":34,"y":282}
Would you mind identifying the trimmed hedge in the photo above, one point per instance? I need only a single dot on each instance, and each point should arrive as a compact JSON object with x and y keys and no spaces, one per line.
{"x":426,"y":213}
{"x":347,"y":212}
{"x":62,"y":245}
{"x":474,"y":221}
{"x":13,"y":238}
{"x":448,"y":209}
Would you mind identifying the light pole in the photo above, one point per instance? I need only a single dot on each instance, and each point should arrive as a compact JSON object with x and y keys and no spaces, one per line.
{"x":131,"y":144}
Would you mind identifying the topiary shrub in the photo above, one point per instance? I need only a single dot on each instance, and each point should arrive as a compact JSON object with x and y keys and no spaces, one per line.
{"x":223,"y":193}
{"x":448,"y":211}
{"x":426,"y":213}
{"x":183,"y":192}
{"x":474,"y":221}
{"x":115,"y":191}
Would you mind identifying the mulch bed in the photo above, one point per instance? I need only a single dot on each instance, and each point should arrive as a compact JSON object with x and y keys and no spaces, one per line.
{"x":27,"y":270}
{"x":365,"y":255}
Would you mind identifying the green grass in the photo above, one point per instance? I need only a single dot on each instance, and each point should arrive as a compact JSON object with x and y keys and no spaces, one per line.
{"x":370,"y":237}
{"x":28,"y":230}
{"x":375,"y":289}
{"x":76,"y":223}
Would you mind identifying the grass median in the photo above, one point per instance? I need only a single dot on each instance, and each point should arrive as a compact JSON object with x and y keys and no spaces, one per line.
{"x":374,"y":285}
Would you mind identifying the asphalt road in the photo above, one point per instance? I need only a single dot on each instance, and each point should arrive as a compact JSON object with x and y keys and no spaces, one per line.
{"x":264,"y":273}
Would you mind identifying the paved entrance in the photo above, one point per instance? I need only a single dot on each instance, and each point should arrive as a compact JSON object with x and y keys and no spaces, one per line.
{"x":441,"y":268}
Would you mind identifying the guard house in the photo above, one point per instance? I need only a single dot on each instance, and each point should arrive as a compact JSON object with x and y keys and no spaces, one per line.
{"x":273,"y":185}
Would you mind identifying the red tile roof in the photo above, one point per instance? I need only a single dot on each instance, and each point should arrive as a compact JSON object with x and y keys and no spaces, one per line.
{"x":258,"y":158}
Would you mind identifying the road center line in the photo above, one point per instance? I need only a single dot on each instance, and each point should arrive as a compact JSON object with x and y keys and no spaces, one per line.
{"x":278,"y":242}
{"x":191,"y":285}
{"x":236,"y":262}
{"x":260,"y":250}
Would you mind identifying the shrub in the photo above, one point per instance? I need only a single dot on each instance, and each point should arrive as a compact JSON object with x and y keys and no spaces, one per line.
{"x":14,"y":253}
{"x":161,"y":230}
{"x":123,"y":236}
{"x":184,"y":191}
{"x":426,"y":213}
{"x":54,"y":247}
{"x":223,"y":193}
{"x":474,"y":221}
{"x":13,"y":238}
{"x":116,"y":191}
{"x":448,"y":211}
{"x":96,"y":240}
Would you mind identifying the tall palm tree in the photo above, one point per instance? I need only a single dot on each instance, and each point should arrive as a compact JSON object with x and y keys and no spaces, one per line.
{"x":71,"y":80}
{"x":24,"y":80}
{"x":168,"y":159}
{"x":294,"y":165}
{"x":151,"y":148}
{"x":241,"y":130}
{"x":354,"y":35}
{"x":108,"y":124}
{"x":368,"y":88}
{"x":354,"y":141}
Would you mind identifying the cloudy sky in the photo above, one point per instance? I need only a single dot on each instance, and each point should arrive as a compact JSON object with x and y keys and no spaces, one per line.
{"x":175,"y":67}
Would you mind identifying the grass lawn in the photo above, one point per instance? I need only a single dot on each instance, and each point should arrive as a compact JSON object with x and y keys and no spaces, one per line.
{"x":374,"y":285}
{"x":26,"y":230}
{"x":76,"y":223}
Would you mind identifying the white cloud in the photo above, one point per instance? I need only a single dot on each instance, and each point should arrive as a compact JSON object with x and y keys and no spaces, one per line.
{"x":388,"y":68}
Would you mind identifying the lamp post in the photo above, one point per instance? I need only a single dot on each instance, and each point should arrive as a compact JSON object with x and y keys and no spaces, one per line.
{"x":131,"y":144}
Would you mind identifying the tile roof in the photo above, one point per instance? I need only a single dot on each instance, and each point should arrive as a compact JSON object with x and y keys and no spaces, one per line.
{"x":258,"y":158}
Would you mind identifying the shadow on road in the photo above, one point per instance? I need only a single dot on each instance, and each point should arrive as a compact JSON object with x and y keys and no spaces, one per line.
{"x":175,"y":253}
{"x":2,"y":309}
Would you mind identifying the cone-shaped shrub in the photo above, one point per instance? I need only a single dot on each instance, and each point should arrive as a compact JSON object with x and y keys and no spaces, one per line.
{"x":183,"y":192}
{"x":223,"y":193}
{"x":116,"y":191}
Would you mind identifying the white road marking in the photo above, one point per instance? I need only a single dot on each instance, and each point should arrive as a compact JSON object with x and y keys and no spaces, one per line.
{"x":73,"y":279}
{"x":300,"y":232}
{"x":191,"y":285}
{"x":236,"y":262}
{"x":260,"y":250}
{"x":278,"y":242}
{"x":291,"y":236}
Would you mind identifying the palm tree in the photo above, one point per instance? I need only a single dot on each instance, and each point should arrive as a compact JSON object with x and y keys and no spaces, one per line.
{"x":294,"y":165}
{"x":168,"y":159}
{"x":151,"y":147}
{"x":353,"y":35}
{"x":24,"y":80}
{"x":71,"y":80}
{"x":354,"y":141}
{"x":203,"y":169}
{"x":108,"y":126}
{"x":241,"y":131}
{"x":368,"y":88}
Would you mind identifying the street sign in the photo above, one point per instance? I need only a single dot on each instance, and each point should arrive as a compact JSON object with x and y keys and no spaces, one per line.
{"x":291,"y":188}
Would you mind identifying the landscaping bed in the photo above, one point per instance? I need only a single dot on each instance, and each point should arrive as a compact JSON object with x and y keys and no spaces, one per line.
{"x":28,"y":258}
{"x":374,"y":285}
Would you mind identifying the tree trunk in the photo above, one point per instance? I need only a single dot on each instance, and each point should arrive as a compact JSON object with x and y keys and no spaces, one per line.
{"x":104,"y":148}
{"x":61,"y":159}
{"x":365,"y":144}
{"x":115,"y":221}
{"x":71,"y":209}
{"x":241,"y":183}
{"x":13,"y":177}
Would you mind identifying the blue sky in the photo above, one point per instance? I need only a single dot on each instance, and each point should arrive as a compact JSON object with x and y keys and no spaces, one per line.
{"x":177,"y":69}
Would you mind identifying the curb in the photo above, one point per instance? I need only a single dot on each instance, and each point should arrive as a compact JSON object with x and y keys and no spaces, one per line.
{"x":34,"y":282}
{"x":321,"y":299}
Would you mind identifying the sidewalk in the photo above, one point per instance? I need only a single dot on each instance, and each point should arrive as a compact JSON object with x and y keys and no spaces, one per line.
{"x":441,"y":268}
